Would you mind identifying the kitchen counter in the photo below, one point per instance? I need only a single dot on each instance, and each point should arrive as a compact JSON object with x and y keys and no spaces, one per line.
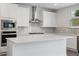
{"x":38,"y":37}
{"x":66,"y":34}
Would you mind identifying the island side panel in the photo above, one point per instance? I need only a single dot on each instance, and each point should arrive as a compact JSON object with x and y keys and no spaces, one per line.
{"x":44,"y":48}
{"x":10,"y":46}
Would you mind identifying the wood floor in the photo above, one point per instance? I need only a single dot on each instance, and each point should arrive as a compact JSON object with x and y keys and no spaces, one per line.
{"x":72,"y":53}
{"x":69,"y":53}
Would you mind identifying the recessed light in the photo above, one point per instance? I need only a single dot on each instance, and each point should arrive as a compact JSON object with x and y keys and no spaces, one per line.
{"x":55,"y":4}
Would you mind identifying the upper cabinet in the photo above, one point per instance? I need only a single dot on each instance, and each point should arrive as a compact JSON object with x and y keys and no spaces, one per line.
{"x":23,"y":16}
{"x":49,"y":19}
{"x":8,"y":10}
{"x":63,"y":17}
{"x":20,"y":14}
{"x":3,"y":10}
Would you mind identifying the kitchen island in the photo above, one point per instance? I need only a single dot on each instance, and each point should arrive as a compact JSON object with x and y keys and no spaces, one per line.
{"x":37,"y":45}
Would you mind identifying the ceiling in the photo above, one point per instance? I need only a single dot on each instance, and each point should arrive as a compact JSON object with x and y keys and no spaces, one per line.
{"x":52,"y":5}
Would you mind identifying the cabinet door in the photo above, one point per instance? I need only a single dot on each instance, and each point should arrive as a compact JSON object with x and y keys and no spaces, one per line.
{"x":8,"y":10}
{"x":12,"y":11}
{"x":3,"y":10}
{"x":49,"y":19}
{"x":63,"y":17}
{"x":23,"y":16}
{"x":72,"y":43}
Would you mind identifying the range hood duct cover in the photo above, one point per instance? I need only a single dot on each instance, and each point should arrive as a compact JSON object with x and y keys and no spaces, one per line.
{"x":34,"y":12}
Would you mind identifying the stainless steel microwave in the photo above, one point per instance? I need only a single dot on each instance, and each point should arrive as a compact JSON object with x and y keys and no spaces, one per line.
{"x":8,"y":24}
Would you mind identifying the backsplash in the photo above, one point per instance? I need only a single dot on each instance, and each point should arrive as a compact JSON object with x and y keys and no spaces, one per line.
{"x":38,"y":29}
{"x":67,"y":30}
{"x":22,"y":30}
{"x":33,"y":28}
{"x":63,"y":30}
{"x":48,"y":30}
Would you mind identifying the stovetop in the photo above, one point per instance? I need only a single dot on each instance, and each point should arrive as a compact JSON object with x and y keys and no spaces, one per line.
{"x":36,"y":33}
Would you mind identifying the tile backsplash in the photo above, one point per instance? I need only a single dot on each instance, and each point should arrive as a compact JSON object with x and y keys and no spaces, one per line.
{"x":33,"y":28}
{"x":63,"y":30}
{"x":48,"y":30}
{"x":67,"y":30}
{"x":38,"y":29}
{"x":22,"y":30}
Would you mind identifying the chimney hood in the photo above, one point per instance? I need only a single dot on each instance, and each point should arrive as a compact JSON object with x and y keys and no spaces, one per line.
{"x":35,"y":15}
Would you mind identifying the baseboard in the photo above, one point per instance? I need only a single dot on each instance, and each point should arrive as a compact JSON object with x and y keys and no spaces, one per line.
{"x":71,"y":49}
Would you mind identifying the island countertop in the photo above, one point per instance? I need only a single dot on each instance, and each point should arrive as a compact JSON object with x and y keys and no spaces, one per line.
{"x":38,"y":38}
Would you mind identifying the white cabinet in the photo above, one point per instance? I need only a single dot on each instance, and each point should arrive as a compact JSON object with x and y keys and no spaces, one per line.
{"x":49,"y":19}
{"x":23,"y":16}
{"x":3,"y":10}
{"x":8,"y":10}
{"x":12,"y":11}
{"x":72,"y":43}
{"x":63,"y":17}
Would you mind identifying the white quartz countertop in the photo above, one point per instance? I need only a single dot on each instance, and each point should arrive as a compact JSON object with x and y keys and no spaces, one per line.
{"x":38,"y":37}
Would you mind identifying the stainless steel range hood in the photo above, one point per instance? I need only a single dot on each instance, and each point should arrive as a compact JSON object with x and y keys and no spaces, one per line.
{"x":35,"y":17}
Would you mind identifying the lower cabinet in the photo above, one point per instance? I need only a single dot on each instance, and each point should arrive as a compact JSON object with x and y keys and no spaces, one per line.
{"x":72,"y":43}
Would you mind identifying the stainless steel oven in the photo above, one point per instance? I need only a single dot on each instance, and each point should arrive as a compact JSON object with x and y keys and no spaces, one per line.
{"x":8,"y":27}
{"x":5,"y":35}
